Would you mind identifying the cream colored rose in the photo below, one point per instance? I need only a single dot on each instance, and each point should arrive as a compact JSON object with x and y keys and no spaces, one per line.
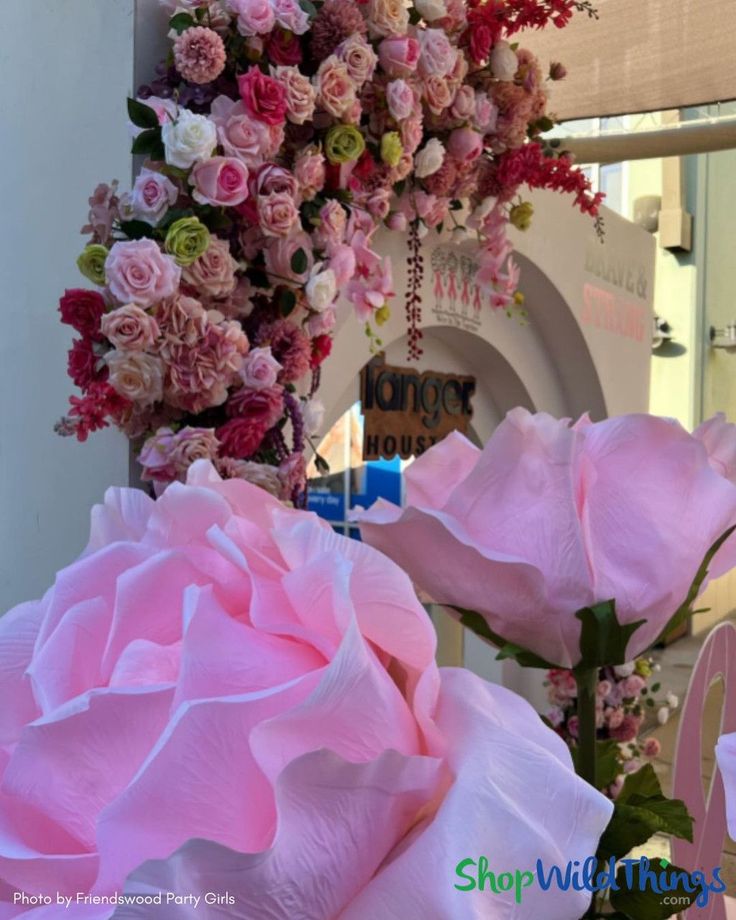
{"x":359,"y":57}
{"x":504,"y":62}
{"x":430,"y":10}
{"x":438,"y":93}
{"x":321,"y":290}
{"x":300,"y":94}
{"x":213,"y":273}
{"x":429,"y":159}
{"x":136,"y":375}
{"x":387,"y":17}
{"x":335,"y":88}
{"x":130,"y":328}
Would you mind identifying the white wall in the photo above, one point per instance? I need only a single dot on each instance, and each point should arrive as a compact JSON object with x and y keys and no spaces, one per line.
{"x":66,"y":68}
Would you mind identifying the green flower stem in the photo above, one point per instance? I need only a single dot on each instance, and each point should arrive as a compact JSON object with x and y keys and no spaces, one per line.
{"x":587,"y":683}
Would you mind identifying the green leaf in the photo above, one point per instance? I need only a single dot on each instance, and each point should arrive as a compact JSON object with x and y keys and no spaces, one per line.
{"x":142,"y":115}
{"x":148,"y":143}
{"x":685,"y":609}
{"x":649,"y":904}
{"x":644,"y":782}
{"x":286,"y":301}
{"x":640,"y":812}
{"x":181,"y":22}
{"x":603,"y":640}
{"x":299,"y":262}
{"x":309,"y":8}
{"x":476,"y":623}
{"x":136,"y":229}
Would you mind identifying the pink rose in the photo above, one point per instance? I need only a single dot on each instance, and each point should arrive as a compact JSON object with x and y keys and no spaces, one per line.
{"x":213,"y":274}
{"x":333,"y":222}
{"x":272,"y":179}
{"x":155,"y":457}
{"x":322,"y":323}
{"x":309,"y":172}
{"x":260,"y":369}
{"x":130,"y":329}
{"x":463,"y":105}
{"x":400,"y":99}
{"x":387,"y":17}
{"x":397,"y":221}
{"x":217,"y":620}
{"x":264,"y":98}
{"x":335,"y":88}
{"x":437,"y":93}
{"x":255,"y":17}
{"x":359,"y":58}
{"x":279,"y":254}
{"x":191,"y":444}
{"x":152,"y":196}
{"x":220,"y":181}
{"x":136,"y":375}
{"x":300,"y":94}
{"x":289,"y":15}
{"x":412,"y":132}
{"x":632,"y":686}
{"x":486,"y":114}
{"x":277,"y":214}
{"x":652,"y":509}
{"x":240,"y":135}
{"x":399,"y":55}
{"x":465,"y":145}
{"x":138,"y":272}
{"x":719,"y":439}
{"x":437,"y":55}
{"x":342,"y":262}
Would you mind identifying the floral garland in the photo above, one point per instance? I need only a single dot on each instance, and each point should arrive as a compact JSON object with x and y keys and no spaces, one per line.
{"x":623,"y":695}
{"x":279,"y":135}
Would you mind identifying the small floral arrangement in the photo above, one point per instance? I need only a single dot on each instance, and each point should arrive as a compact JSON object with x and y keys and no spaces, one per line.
{"x":279,"y":135}
{"x":623,"y":696}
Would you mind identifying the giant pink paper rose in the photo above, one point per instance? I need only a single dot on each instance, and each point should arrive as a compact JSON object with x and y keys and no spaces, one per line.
{"x":726,"y":757}
{"x":550,"y":518}
{"x":224,"y":677}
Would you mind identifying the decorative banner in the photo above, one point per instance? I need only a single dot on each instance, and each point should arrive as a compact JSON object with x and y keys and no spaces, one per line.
{"x":642,"y":56}
{"x":407,"y":412}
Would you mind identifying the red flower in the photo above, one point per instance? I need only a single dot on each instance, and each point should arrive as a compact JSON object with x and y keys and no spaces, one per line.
{"x":83,"y":310}
{"x":321,"y":348}
{"x":284,"y":48}
{"x":91,"y":412}
{"x":82,"y":365}
{"x":264,"y":98}
{"x":240,"y":438}
{"x":261,"y":406}
{"x":480,"y":39}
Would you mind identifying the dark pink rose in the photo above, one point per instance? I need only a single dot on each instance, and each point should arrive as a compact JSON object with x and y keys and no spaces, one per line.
{"x":264,"y":98}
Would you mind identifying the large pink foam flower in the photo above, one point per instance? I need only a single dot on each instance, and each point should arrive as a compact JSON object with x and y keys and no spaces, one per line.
{"x":550,"y":518}
{"x":220,"y":669}
{"x":726,"y":757}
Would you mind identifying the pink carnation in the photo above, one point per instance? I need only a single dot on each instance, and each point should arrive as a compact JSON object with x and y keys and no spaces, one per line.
{"x":241,"y":437}
{"x":290,"y":347}
{"x":199,"y":54}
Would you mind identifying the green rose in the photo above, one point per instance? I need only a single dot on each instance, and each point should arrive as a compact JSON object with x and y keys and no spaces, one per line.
{"x":391,"y":148}
{"x":92,"y":263}
{"x":521,"y":215}
{"x":343,"y":144}
{"x":187,"y":240}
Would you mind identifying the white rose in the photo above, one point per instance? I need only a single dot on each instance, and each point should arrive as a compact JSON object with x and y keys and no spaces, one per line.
{"x":313,"y":413}
{"x":189,"y":139}
{"x":624,"y":670}
{"x":429,"y":159}
{"x":321,"y":290}
{"x":504,"y":62}
{"x":430,"y":10}
{"x":663,"y":715}
{"x":673,"y":701}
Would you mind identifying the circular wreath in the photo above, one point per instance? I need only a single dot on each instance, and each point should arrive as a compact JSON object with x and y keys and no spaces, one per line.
{"x":279,"y":135}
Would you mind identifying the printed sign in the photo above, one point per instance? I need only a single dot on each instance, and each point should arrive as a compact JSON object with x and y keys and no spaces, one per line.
{"x":407,"y":412}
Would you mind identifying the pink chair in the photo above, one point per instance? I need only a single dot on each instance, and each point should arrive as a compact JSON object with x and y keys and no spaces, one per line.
{"x":717,"y":659}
